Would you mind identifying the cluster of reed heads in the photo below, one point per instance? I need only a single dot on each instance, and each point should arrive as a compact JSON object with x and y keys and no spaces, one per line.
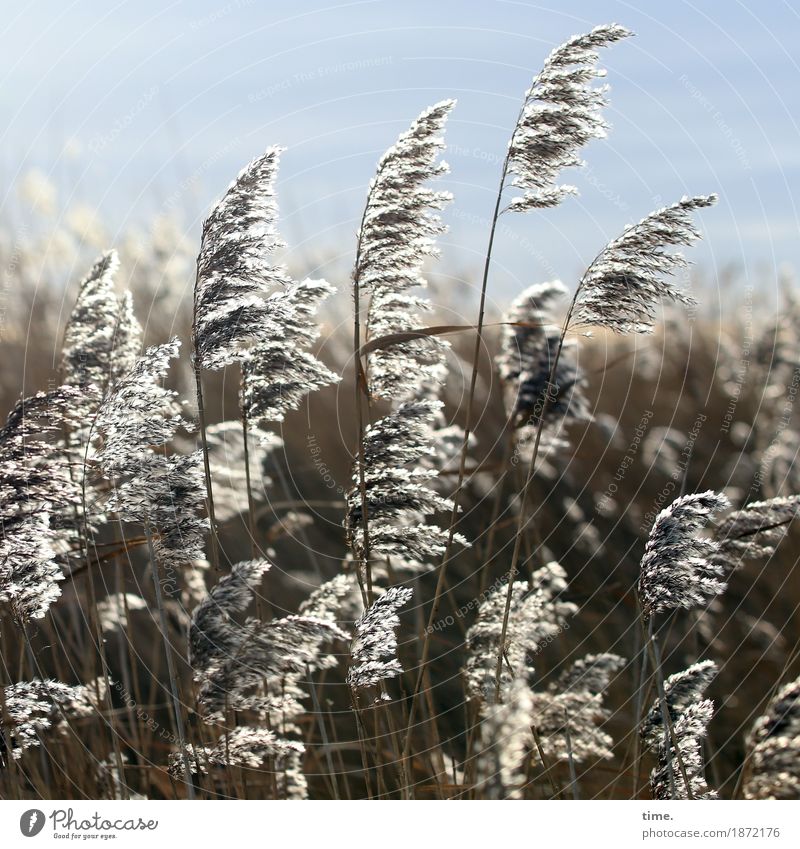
{"x":192,"y":607}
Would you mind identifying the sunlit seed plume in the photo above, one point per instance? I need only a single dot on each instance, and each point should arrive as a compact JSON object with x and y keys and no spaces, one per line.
{"x":755,"y":530}
{"x":630,"y":277}
{"x":483,"y":640}
{"x":398,"y":232}
{"x":562,"y":113}
{"x":279,"y":370}
{"x":680,"y":691}
{"x":35,"y":484}
{"x":773,"y":769}
{"x":163,"y":492}
{"x":35,"y":707}
{"x":280,"y":650}
{"x":336,"y":600}
{"x":233,"y":660}
{"x":506,"y":739}
{"x":247,"y":309}
{"x":677,"y":569}
{"x":102,"y":341}
{"x":235,"y":266}
{"x":690,"y":731}
{"x":592,"y":674}
{"x":529,"y":345}
{"x":252,"y":748}
{"x":140,"y":411}
{"x":569,"y":717}
{"x":374,"y":646}
{"x":397,"y":492}
{"x":89,"y":339}
{"x":214,"y":633}
{"x":537,"y":613}
{"x":447,"y":441}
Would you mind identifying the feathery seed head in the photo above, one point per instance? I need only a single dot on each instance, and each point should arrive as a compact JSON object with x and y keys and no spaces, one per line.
{"x":677,"y":569}
{"x":570,"y":715}
{"x":505,"y":740}
{"x":561,"y":114}
{"x":234,"y":266}
{"x":397,"y":233}
{"x":754,"y":531}
{"x":680,"y":691}
{"x":397,"y":494}
{"x":374,"y":646}
{"x":773,"y":771}
{"x":623,"y":285}
{"x":529,"y":345}
{"x":690,"y":730}
{"x":278,"y":372}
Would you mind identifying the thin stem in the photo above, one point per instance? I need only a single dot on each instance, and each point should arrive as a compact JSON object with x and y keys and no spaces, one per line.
{"x":650,"y":640}
{"x":251,"y":507}
{"x":362,"y":737}
{"x":323,"y":733}
{"x":201,"y":415}
{"x":548,"y":768}
{"x":522,"y":522}
{"x":573,"y":777}
{"x":496,"y":507}
{"x":173,"y":679}
{"x":640,"y":693}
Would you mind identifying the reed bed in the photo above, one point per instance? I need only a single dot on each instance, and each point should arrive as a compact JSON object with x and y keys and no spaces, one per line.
{"x":305,"y":539}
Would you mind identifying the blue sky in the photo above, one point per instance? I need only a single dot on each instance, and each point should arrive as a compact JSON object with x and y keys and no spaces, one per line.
{"x":141,"y":107}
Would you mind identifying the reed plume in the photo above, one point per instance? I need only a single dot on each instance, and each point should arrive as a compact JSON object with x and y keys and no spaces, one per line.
{"x":398,"y":232}
{"x":678,"y":569}
{"x":622,"y":287}
{"x":228,"y":461}
{"x":279,"y":371}
{"x":754,"y":531}
{"x":102,"y":339}
{"x":374,"y":646}
{"x":235,"y":267}
{"x":35,"y":486}
{"x":528,"y":349}
{"x":35,"y":708}
{"x":537,"y":614}
{"x":688,"y":733}
{"x":390,"y":487}
{"x":772,"y":768}
{"x":162,"y":492}
{"x":251,"y":748}
{"x":569,"y":716}
{"x":680,"y":691}
{"x":561,"y":113}
{"x":233,"y":661}
{"x":506,"y":738}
